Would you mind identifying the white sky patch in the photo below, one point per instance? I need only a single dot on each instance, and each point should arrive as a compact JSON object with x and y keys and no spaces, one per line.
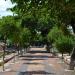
{"x":3,"y":7}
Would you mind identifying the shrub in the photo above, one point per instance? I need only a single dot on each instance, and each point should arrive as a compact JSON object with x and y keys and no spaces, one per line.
{"x":54,"y":34}
{"x":64,"y":44}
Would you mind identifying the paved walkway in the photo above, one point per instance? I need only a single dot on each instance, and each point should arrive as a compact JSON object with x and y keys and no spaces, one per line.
{"x":38,"y":62}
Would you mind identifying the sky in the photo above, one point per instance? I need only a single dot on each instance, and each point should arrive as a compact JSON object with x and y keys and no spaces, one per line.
{"x":3,"y":7}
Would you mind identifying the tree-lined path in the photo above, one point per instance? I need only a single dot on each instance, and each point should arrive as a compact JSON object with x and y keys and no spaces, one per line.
{"x":38,"y":62}
{"x":38,"y":23}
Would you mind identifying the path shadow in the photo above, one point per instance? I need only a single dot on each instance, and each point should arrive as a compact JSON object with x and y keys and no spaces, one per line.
{"x":35,"y":72}
{"x":32,"y":59}
{"x":37,"y":56}
{"x":37,"y":51}
{"x":32,"y":63}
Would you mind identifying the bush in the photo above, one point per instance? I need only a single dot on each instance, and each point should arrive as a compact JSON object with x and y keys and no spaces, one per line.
{"x":54,"y":34}
{"x":64,"y":44}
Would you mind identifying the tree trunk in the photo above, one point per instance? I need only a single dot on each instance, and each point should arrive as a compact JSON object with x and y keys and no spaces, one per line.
{"x":62,"y":56}
{"x":72,"y":62}
{"x":71,"y":67}
{"x":4,"y":46}
{"x":24,"y":50}
{"x":18,"y":53}
{"x":73,"y":25}
{"x":3,"y":57}
{"x":48,"y":47}
{"x":18,"y":49}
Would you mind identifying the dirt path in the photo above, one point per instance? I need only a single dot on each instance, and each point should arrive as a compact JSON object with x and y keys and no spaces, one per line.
{"x":38,"y":62}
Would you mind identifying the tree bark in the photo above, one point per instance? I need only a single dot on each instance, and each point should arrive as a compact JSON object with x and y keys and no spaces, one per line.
{"x":4,"y":46}
{"x":73,"y":24}
{"x":48,"y":47}
{"x":3,"y":57}
{"x":72,"y":63}
{"x":62,"y":56}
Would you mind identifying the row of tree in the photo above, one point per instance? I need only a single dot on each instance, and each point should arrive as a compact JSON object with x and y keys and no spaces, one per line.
{"x":11,"y":33}
{"x":11,"y":30}
{"x":49,"y":17}
{"x":64,"y":43}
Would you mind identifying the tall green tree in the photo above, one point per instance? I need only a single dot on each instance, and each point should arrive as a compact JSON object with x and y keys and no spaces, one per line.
{"x":7,"y":30}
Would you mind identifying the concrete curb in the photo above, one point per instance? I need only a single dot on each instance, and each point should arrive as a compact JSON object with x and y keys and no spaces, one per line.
{"x":66,"y":58}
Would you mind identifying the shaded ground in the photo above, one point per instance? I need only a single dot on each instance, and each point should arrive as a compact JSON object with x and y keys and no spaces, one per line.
{"x":38,"y":62}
